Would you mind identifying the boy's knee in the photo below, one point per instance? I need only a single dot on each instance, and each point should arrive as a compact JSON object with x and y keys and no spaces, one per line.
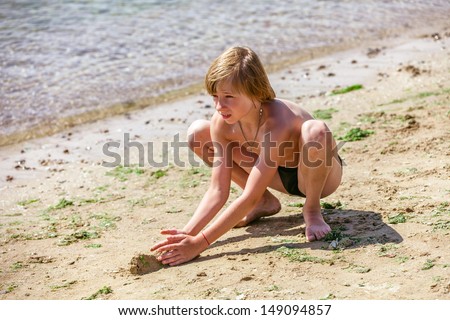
{"x":314,"y":131}
{"x":197,"y":132}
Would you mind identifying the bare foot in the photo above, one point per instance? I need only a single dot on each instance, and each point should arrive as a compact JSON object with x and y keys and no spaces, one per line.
{"x":267,"y":206}
{"x":316,"y":227}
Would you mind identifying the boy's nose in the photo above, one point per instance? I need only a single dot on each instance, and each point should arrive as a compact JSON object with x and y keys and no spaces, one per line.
{"x":218,"y":105}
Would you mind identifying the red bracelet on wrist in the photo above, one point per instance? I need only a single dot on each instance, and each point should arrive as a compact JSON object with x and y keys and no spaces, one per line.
{"x":205,"y":239}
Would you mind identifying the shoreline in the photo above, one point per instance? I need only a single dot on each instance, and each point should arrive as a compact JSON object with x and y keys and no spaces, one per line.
{"x":54,"y":126}
{"x":163,"y":120}
{"x":71,"y":226}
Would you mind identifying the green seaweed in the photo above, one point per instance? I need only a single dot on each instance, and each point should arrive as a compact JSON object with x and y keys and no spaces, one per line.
{"x":93,"y":245}
{"x":106,"y":221}
{"x":24,"y":203}
{"x":420,"y":95}
{"x":66,"y":285}
{"x":356,"y":134}
{"x":63,"y":203}
{"x":103,"y":291}
{"x":77,"y":236}
{"x":17,"y":265}
{"x":324,"y":114}
{"x":335,"y":234}
{"x":428,"y":265}
{"x":295,"y":205}
{"x":399,"y":218}
{"x":298,"y":255}
{"x":331,"y":205}
{"x":159,"y":173}
{"x":347,"y":89}
{"x":121,"y":173}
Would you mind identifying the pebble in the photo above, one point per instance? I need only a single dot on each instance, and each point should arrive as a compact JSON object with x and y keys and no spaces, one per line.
{"x":247,"y":278}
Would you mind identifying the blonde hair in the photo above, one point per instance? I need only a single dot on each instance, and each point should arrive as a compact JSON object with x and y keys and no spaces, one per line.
{"x":242,"y":67}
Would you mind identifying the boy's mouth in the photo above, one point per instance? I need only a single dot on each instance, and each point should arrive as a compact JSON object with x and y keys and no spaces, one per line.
{"x":225,"y":115}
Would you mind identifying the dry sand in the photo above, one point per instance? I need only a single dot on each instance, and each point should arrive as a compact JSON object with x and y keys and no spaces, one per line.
{"x":70,"y":227}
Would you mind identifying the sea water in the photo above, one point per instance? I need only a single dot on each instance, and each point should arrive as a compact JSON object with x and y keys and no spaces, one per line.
{"x":66,"y":59}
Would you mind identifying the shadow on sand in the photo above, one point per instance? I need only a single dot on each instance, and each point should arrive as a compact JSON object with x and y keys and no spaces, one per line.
{"x":362,"y":227}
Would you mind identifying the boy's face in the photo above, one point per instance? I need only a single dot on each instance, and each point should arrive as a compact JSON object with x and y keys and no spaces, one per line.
{"x":231,"y":104}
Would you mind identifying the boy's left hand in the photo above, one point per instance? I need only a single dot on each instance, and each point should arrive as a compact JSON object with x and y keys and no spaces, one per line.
{"x":179,"y":248}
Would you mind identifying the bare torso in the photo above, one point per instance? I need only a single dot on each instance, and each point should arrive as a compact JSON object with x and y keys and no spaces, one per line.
{"x":278,"y":116}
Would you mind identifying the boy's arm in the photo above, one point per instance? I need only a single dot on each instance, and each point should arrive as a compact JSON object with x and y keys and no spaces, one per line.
{"x":219,"y":189}
{"x":213,"y":200}
{"x":182,"y":248}
{"x":217,"y":193}
{"x":209,"y":206}
{"x":259,"y":179}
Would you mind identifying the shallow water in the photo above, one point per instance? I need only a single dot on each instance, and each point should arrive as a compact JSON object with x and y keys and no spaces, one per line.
{"x":66,"y":58}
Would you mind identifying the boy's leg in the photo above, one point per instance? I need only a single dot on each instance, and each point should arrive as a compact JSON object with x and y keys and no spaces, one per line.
{"x":199,"y":140}
{"x":319,"y":174}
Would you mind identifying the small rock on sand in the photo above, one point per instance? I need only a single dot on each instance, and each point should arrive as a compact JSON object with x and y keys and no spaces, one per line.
{"x":144,"y":263}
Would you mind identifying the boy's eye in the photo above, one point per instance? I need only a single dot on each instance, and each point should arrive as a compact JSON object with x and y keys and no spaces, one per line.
{"x":229,"y":97}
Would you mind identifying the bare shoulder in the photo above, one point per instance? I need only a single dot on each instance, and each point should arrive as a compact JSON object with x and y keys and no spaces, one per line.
{"x":220,"y":130}
{"x":296,"y":110}
{"x":285,"y":116}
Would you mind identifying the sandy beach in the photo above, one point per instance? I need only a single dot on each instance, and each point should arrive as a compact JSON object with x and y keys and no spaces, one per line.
{"x":73,"y":228}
